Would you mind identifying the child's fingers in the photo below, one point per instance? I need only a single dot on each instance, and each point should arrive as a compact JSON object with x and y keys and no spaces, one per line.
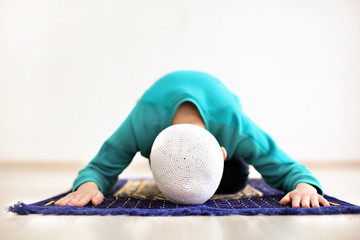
{"x":58,"y":202}
{"x":85,"y":199}
{"x":82,"y":201}
{"x":78,"y":198}
{"x":323,"y":201}
{"x":296,"y":201}
{"x":286,"y":199}
{"x":97,"y":199}
{"x":305,"y":202}
{"x":82,"y":196}
{"x":65,"y":200}
{"x":314,"y":201}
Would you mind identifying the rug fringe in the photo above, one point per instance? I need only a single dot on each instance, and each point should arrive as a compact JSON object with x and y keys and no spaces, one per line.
{"x":24,"y":209}
{"x":19,"y":208}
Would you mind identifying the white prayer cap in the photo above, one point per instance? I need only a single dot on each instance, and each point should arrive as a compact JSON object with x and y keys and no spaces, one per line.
{"x":187,"y":164}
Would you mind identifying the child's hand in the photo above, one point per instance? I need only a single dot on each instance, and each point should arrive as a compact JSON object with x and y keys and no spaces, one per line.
{"x":87,"y":192}
{"x":304,"y":195}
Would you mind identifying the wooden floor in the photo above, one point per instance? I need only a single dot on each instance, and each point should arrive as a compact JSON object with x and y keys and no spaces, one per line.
{"x":30,"y":183}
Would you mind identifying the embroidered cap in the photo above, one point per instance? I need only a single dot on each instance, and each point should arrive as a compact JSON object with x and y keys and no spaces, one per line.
{"x":187,"y":164}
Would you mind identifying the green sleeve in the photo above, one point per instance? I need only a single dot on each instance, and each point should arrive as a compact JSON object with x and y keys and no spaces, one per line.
{"x":278,"y":170}
{"x":114,"y":156}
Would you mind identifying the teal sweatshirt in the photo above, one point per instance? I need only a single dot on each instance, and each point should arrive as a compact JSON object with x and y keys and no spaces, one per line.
{"x":223,"y":117}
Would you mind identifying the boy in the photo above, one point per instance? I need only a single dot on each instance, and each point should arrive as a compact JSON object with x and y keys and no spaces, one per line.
{"x":191,"y":97}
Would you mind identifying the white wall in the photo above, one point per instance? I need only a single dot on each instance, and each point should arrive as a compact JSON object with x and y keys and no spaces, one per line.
{"x":70,"y":71}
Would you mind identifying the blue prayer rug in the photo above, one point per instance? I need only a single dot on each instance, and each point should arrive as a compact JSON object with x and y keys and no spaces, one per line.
{"x":141,"y":197}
